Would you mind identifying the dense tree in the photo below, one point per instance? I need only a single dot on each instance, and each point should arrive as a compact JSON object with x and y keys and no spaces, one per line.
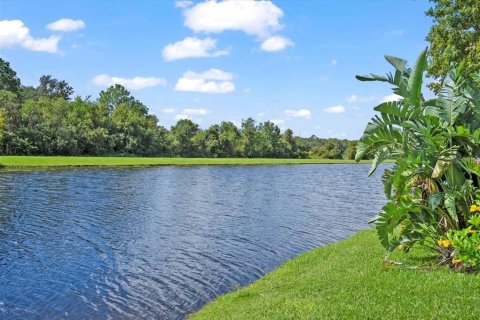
{"x":268,"y":140}
{"x":45,"y":120}
{"x":331,"y":149}
{"x":8,"y":78}
{"x":289,"y":146}
{"x":247,"y":138}
{"x":54,"y":88}
{"x":182,"y":133}
{"x":454,"y":37}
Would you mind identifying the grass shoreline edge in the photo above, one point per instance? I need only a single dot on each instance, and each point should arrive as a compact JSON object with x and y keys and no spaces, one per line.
{"x":18,"y":162}
{"x":347,"y":280}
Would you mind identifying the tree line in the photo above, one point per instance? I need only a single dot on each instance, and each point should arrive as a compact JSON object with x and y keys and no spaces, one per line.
{"x":46,"y":120}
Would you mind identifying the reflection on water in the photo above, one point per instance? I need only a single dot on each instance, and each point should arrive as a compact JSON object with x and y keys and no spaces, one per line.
{"x":160,"y":242}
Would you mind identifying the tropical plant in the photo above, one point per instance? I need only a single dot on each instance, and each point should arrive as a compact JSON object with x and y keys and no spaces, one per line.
{"x":433,"y":143}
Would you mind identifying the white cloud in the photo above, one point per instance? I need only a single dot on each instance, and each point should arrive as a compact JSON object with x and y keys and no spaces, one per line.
{"x":135,"y":83}
{"x":278,"y":122}
{"x":15,"y":33}
{"x":181,"y":117}
{"x":66,"y":25}
{"x":183,"y":4}
{"x":192,"y":48}
{"x":356,"y":98}
{"x":352,"y":98}
{"x":390,"y":98}
{"x":335,"y":109}
{"x":302,"y":113}
{"x":276,"y":43}
{"x":168,"y":110}
{"x":334,"y":62}
{"x":210,"y":81}
{"x":257,"y":18}
{"x":194,"y":112}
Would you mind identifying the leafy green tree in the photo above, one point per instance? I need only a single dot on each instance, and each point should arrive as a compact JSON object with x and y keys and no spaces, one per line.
{"x":454,"y":37}
{"x":182,"y":133}
{"x":228,"y":136}
{"x":289,"y":146}
{"x":351,"y":150}
{"x":331,"y":149}
{"x":53,"y":88}
{"x":248,"y":133}
{"x":8,"y":78}
{"x":268,"y":143}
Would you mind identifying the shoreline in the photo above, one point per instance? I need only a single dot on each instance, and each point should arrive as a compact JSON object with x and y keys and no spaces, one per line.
{"x":33,"y":162}
{"x":350,"y":280}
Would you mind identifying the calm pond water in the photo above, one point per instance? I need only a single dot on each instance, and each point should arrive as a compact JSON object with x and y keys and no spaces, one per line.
{"x":158,"y":243}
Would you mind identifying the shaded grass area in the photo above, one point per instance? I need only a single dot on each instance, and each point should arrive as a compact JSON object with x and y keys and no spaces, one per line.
{"x":348,"y":280}
{"x":31,"y":161}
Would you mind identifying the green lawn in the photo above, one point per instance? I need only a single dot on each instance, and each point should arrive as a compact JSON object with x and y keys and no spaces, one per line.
{"x":348,"y":280}
{"x":29,"y":161}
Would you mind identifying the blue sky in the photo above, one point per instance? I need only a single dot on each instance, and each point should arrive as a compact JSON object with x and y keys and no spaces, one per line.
{"x":293,"y":62}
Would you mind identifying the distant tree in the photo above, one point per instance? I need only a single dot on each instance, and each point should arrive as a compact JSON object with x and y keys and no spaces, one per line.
{"x":8,"y":78}
{"x":228,"y":136}
{"x":289,"y":146}
{"x":331,"y":149}
{"x":454,"y":37}
{"x":248,"y":133}
{"x":182,"y":133}
{"x":53,"y":88}
{"x":351,"y":150}
{"x":268,"y":140}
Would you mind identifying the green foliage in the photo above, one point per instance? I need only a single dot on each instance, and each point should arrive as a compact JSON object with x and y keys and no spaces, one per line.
{"x":434,"y":142}
{"x":46,"y":120}
{"x":8,"y":78}
{"x":466,"y":243}
{"x":454,"y":37}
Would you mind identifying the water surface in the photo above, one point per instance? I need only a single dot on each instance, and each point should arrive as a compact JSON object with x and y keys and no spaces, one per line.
{"x":160,"y":242}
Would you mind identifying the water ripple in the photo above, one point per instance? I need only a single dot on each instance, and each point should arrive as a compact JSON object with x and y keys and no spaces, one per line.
{"x":160,"y":242}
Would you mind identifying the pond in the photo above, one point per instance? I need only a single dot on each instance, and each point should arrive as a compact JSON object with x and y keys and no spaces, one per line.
{"x":160,"y":242}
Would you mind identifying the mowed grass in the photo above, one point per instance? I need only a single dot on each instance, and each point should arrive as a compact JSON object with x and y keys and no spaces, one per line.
{"x":348,"y":280}
{"x":31,"y":161}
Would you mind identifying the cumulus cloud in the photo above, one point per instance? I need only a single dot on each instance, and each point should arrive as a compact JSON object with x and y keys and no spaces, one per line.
{"x":195,"y":112}
{"x":356,"y":98}
{"x":183,"y":4}
{"x":181,"y":117}
{"x":135,"y":83}
{"x":192,"y":48}
{"x":168,"y":110}
{"x":278,"y":122}
{"x":257,"y":18}
{"x":302,"y":113}
{"x":335,"y":109}
{"x":391,"y":98}
{"x":276,"y":43}
{"x":66,"y":25}
{"x":210,"y":81}
{"x":14,"y":33}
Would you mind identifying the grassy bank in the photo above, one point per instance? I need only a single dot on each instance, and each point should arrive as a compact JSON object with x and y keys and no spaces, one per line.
{"x":30,"y":161}
{"x":348,"y":280}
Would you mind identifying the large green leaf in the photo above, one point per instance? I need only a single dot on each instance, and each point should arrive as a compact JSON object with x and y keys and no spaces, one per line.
{"x":415,"y":80}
